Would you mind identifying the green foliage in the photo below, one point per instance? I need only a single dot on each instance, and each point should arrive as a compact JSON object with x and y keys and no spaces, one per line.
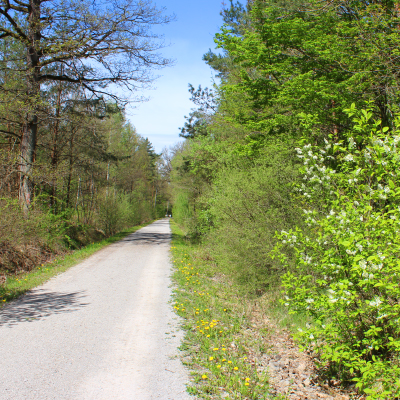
{"x":347,"y":274}
{"x":110,"y":214}
{"x":182,"y":210}
{"x":220,"y":351}
{"x":245,"y":207}
{"x":293,"y":58}
{"x":43,"y":226}
{"x":198,"y":120}
{"x":288,"y":71}
{"x":24,"y":242}
{"x":100,"y":177}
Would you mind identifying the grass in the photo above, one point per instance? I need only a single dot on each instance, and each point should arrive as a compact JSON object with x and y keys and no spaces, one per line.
{"x":17,"y":285}
{"x":270,"y":304}
{"x":221,"y":343}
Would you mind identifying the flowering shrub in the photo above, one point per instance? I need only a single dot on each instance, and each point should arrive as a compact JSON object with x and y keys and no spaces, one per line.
{"x":347,"y":275}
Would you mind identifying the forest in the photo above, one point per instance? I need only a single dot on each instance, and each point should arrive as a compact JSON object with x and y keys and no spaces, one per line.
{"x":73,"y":170}
{"x":289,"y":174}
{"x":288,"y":177}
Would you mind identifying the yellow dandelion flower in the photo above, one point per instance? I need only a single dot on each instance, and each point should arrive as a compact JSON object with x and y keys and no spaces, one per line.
{"x":218,"y":366}
{"x":204,"y":377}
{"x":211,"y":358}
{"x":215,"y":349}
{"x":235,"y":368}
{"x":247,"y":384}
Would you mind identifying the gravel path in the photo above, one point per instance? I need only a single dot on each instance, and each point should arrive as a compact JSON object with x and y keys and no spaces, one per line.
{"x":103,"y":330}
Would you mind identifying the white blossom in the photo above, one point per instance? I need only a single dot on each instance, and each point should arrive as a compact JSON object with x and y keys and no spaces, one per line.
{"x":376,"y":302}
{"x":349,"y":157}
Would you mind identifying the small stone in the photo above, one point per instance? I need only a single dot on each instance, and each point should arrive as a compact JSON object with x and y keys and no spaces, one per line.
{"x":285,"y":383}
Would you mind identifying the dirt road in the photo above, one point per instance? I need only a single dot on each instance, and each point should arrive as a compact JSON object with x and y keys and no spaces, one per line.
{"x":103,"y":330}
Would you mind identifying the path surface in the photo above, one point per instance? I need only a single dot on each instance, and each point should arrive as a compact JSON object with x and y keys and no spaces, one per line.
{"x":103,"y":330}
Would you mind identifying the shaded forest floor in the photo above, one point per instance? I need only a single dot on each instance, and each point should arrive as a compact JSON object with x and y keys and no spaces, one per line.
{"x":238,"y":347}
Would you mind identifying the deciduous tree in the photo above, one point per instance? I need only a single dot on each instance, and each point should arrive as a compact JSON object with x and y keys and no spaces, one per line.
{"x":97,"y":43}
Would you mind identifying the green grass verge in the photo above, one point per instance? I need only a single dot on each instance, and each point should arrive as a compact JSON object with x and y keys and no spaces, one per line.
{"x":221,"y":344}
{"x":15,"y":286}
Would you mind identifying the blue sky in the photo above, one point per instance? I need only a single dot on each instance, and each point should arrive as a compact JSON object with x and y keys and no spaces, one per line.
{"x":191,"y":35}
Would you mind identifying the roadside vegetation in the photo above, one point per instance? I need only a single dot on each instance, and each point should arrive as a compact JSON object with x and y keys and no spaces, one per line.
{"x":288,"y":179}
{"x":220,"y":348}
{"x":287,"y":184}
{"x":73,"y":170}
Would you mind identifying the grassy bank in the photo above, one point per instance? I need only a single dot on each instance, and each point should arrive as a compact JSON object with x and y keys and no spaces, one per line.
{"x":21,"y":283}
{"x":224,"y":337}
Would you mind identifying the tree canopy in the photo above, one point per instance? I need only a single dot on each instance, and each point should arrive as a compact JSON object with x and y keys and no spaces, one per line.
{"x":93,"y":45}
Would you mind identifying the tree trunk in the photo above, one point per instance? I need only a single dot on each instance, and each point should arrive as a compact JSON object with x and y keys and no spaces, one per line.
{"x":27,"y":158}
{"x":54,"y":150}
{"x":71,"y":166}
{"x":29,"y":136}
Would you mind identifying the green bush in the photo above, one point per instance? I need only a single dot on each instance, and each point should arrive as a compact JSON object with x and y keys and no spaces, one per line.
{"x":182,"y":210}
{"x":118,"y":212}
{"x":25,"y":241}
{"x":347,"y":274}
{"x":245,"y":207}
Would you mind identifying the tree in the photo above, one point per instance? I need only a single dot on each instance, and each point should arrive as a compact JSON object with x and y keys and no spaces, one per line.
{"x":199,"y":118}
{"x":97,"y":43}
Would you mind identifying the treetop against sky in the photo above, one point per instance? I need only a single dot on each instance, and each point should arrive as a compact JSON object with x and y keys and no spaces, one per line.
{"x":190,"y":36}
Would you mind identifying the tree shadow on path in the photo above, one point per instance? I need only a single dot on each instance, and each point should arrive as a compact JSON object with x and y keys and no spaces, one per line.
{"x":39,"y":304}
{"x":142,"y":238}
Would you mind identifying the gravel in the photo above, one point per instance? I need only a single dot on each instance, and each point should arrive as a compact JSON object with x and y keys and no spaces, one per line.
{"x":102,"y":330}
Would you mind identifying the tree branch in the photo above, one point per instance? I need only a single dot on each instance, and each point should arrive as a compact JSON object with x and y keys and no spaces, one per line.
{"x":14,"y":24}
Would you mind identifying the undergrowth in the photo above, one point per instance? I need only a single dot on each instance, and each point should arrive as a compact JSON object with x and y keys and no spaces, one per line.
{"x":220,"y":344}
